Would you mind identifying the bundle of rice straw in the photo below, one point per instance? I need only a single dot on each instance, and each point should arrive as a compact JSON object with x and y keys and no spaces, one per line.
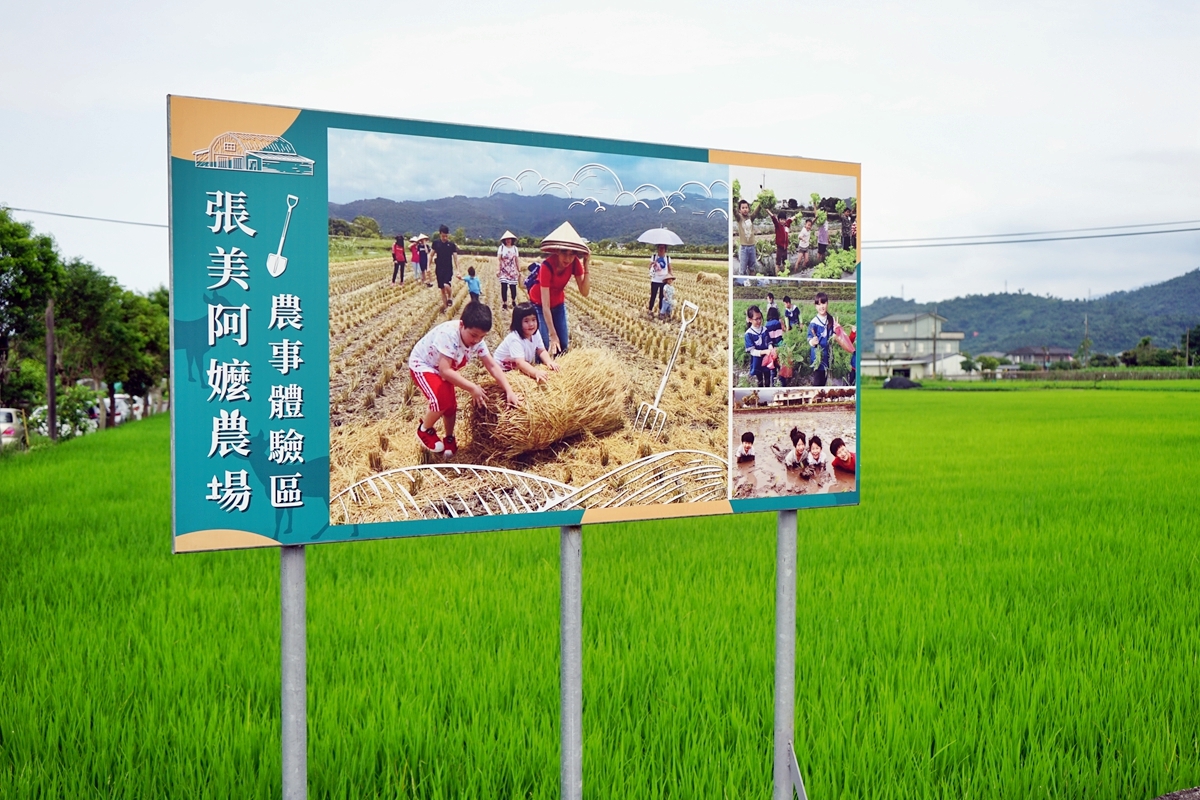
{"x":587,"y":395}
{"x":708,"y":277}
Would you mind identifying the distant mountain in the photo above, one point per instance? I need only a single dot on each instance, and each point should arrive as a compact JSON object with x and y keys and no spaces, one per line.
{"x":488,"y":217}
{"x":1006,"y":321}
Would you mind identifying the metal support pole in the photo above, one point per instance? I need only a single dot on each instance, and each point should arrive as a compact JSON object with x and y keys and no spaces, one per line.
{"x":292,"y":670}
{"x":571,"y":679}
{"x":785,"y":655}
{"x":51,"y":372}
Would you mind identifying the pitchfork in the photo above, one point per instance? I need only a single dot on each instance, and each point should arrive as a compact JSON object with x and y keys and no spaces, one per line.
{"x":648,"y":411}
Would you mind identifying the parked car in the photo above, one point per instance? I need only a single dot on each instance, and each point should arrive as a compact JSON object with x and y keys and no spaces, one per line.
{"x":133,"y":406}
{"x":12,"y":428}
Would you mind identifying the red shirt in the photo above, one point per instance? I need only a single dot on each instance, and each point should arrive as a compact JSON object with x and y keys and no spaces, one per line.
{"x":415,"y":250}
{"x":782,"y":226}
{"x":555,"y":280}
{"x":848,"y":466}
{"x":398,"y":252}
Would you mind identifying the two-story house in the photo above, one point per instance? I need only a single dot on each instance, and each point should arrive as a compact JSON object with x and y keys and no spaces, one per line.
{"x":913,"y":345}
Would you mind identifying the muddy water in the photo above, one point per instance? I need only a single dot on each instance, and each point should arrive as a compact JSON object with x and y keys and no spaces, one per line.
{"x":766,"y":476}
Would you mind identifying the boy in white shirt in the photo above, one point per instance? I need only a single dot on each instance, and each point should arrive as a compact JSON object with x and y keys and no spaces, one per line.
{"x":435,"y":364}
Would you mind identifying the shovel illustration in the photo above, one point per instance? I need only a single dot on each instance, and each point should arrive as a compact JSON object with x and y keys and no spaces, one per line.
{"x":650,"y":417}
{"x":276,"y":262}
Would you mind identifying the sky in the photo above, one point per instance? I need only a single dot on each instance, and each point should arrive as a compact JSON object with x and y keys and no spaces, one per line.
{"x":366,"y":165}
{"x":967,"y":118}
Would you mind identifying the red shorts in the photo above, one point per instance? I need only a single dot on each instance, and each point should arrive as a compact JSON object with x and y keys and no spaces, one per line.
{"x":439,"y":392}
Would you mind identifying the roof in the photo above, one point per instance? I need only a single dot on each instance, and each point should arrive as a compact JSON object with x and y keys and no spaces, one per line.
{"x":909,"y":317}
{"x":1038,"y":351}
{"x":256,"y":142}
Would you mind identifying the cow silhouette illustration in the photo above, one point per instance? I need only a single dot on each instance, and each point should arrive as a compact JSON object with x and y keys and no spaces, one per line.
{"x":314,"y":486}
{"x":191,"y":336}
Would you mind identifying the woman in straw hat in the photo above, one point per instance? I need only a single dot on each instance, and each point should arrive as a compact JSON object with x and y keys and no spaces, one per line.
{"x":509,"y":270}
{"x":567,"y":256}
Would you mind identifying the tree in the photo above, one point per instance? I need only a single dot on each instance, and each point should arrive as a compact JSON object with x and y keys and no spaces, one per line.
{"x":968,"y":364}
{"x":339,"y":227}
{"x":29,"y":274}
{"x":1084,"y":353}
{"x":366,"y":226}
{"x":98,"y":334}
{"x":460,"y":235}
{"x":151,"y":363}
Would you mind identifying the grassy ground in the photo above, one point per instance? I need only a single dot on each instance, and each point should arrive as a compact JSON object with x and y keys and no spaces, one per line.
{"x":1010,"y":613}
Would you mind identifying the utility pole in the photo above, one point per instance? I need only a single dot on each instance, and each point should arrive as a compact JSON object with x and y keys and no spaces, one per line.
{"x":51,"y":369}
{"x":935,"y":326}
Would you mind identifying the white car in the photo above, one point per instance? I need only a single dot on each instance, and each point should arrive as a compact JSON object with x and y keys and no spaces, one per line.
{"x":132,"y":407}
{"x":12,"y":429}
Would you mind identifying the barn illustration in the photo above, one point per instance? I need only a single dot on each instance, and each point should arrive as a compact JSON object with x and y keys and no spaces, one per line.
{"x":253,"y":152}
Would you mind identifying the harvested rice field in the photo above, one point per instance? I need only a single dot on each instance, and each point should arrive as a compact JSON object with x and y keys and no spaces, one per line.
{"x":375,"y":406}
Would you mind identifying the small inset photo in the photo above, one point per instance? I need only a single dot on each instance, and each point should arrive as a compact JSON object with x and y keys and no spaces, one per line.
{"x":793,"y":333}
{"x":799,"y":224}
{"x":794,"y":441}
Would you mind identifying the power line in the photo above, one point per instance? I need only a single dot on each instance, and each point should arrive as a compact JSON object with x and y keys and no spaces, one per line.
{"x":1022,"y":241}
{"x":877,"y":244}
{"x":1037,"y":233}
{"x":94,"y":219}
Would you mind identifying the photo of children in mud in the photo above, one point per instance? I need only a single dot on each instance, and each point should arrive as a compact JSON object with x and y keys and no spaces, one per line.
{"x":798,"y":224}
{"x":561,"y":342}
{"x":794,"y":441}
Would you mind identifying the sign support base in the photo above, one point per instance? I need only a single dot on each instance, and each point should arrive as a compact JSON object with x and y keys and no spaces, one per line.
{"x":293,"y":708}
{"x":571,"y":644}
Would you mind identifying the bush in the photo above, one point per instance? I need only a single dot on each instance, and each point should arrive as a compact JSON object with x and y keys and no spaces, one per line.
{"x":1028,"y":367}
{"x":71,"y":410}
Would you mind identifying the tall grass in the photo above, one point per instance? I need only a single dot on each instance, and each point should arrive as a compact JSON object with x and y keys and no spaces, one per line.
{"x":1010,"y":613}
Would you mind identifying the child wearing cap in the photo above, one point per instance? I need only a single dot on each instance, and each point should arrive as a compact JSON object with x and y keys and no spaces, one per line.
{"x":508,"y":269}
{"x":436,"y":364}
{"x":667,"y":308}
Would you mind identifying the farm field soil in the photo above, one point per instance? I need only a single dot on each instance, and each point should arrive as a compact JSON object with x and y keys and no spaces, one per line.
{"x":1011,"y":613}
{"x":374,"y":405}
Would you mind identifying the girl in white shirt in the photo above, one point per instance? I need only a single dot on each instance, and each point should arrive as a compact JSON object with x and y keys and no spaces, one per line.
{"x":523,"y":347}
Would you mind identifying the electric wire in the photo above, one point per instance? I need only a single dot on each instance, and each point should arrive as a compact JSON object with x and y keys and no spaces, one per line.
{"x":876,"y":244}
{"x":1037,"y":233}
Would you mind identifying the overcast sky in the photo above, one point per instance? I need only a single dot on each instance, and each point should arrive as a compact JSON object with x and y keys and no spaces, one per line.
{"x":1016,"y":117}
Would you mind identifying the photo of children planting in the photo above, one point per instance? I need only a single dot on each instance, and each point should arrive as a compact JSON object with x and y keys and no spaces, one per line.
{"x":536,"y":371}
{"x":795,"y":333}
{"x":793,"y":441}
{"x":798,"y":224}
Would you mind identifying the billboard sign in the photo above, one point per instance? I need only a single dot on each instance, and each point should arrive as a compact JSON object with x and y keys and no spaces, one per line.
{"x":388,"y":328}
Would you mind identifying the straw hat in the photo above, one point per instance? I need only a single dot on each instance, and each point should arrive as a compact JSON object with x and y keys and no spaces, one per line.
{"x":564,"y":237}
{"x":421,"y":238}
{"x":508,"y":235}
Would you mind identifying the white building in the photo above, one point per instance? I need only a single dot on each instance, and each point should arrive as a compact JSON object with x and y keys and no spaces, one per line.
{"x":913,"y":345}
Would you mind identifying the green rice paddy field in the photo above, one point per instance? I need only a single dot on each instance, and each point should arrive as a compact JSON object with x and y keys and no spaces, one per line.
{"x":1012,"y":613}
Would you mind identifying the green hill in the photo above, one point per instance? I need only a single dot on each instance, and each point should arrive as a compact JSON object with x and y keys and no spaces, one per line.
{"x":1005,"y":321}
{"x":488,"y":217}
